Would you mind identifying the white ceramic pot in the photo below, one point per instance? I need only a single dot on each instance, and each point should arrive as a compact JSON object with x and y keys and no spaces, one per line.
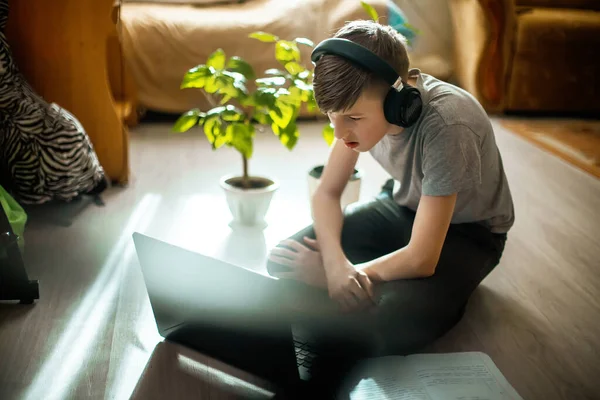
{"x":351,"y":193}
{"x":249,"y":206}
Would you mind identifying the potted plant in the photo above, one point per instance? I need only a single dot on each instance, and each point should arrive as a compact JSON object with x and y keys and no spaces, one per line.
{"x":244,"y":104}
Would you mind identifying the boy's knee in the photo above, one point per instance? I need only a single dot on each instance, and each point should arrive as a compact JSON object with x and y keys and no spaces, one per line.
{"x":408,"y":317}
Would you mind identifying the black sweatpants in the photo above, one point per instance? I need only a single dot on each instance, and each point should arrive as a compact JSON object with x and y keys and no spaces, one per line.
{"x":409,"y":313}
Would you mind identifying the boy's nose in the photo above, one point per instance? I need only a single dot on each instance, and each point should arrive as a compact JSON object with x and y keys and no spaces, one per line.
{"x":341,"y":134}
{"x":339,"y":131}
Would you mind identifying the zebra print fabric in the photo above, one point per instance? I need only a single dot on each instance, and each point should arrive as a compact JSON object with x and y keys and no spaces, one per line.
{"x":45,"y":153}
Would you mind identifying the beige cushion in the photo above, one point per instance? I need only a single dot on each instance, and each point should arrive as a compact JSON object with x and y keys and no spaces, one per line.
{"x":189,"y":2}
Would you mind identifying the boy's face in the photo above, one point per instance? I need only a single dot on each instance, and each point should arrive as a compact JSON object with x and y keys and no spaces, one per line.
{"x":364,"y":125}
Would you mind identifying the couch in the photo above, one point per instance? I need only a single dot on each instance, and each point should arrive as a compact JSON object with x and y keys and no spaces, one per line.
{"x":529,"y":55}
{"x":161,"y":40}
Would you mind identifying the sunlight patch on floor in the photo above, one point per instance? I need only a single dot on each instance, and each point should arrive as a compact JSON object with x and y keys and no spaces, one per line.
{"x":218,"y":378}
{"x":70,"y":355}
{"x":134,"y":359}
{"x":203,"y":225}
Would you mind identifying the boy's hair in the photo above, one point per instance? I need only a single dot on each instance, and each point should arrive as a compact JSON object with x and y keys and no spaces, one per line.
{"x":338,"y":83}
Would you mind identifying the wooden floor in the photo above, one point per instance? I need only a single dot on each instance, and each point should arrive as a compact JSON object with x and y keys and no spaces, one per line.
{"x":576,"y":141}
{"x":92,"y":333}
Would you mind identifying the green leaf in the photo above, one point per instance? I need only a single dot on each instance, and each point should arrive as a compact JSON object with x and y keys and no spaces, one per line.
{"x":289,"y":141}
{"x":282,"y":92}
{"x":215,"y":111}
{"x":241,"y":87}
{"x":304,"y":41}
{"x":235,"y":76}
{"x":282,"y":113}
{"x":265,"y":97}
{"x":223,"y":139}
{"x":311,"y":104}
{"x":212,"y":85}
{"x":226,"y":113}
{"x":196,"y":77}
{"x":187,"y":120}
{"x":296,"y":96}
{"x":232,"y":114}
{"x":241,"y":138}
{"x":328,"y":134}
{"x":232,"y":84}
{"x":288,"y":136}
{"x":304,"y":74}
{"x":275,"y":71}
{"x":286,"y":51}
{"x":370,"y":10}
{"x":247,"y":101}
{"x":274,"y":81}
{"x":303,"y":85}
{"x":263,"y":37}
{"x":225,"y":82}
{"x":213,"y":127}
{"x":263,"y":118}
{"x":217,"y":60}
{"x":239,"y":65}
{"x":294,"y":68}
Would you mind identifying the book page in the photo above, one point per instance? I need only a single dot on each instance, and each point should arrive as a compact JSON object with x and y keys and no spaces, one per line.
{"x":453,"y":376}
{"x":461,"y":376}
{"x":384,"y":378}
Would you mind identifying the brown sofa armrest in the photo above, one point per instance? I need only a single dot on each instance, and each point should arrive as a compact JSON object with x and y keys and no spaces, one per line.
{"x":483,"y":37}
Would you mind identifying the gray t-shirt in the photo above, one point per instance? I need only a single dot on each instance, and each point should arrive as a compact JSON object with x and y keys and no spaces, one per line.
{"x":450,"y":149}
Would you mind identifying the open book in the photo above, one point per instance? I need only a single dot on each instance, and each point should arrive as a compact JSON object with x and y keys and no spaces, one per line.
{"x":449,"y":376}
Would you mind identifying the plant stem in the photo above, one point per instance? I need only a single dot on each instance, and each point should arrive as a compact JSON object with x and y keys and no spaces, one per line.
{"x":210,"y":99}
{"x":245,"y":177}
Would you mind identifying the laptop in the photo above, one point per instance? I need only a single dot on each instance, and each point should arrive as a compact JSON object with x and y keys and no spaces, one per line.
{"x":223,"y":310}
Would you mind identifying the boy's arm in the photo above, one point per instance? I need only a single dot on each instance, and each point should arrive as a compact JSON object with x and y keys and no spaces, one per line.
{"x":327,"y":210}
{"x":451,"y":164}
{"x":348,"y":286}
{"x":419,"y":258}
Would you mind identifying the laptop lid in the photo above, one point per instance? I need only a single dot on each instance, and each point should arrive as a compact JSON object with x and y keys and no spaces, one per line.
{"x":189,"y":287}
{"x":221,"y":309}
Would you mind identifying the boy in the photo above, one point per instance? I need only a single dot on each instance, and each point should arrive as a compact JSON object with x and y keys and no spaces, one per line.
{"x":402,"y":266}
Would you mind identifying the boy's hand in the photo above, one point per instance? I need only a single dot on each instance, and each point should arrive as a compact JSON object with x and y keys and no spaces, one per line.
{"x":349,"y":287}
{"x":305,"y":263}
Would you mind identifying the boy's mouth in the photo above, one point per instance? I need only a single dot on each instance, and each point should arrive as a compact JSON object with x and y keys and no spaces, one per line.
{"x":351,"y":145}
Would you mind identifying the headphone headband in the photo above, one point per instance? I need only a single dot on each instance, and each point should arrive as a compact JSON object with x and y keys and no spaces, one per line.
{"x":358,"y":54}
{"x":403,"y":104}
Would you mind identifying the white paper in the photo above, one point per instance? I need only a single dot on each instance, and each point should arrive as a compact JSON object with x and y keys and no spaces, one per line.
{"x":452,"y":376}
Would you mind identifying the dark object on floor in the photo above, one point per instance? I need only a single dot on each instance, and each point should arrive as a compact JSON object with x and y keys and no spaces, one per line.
{"x":14,"y":282}
{"x":45,"y":153}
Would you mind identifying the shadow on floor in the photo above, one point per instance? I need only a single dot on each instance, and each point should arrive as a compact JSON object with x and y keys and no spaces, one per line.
{"x":60,"y":213}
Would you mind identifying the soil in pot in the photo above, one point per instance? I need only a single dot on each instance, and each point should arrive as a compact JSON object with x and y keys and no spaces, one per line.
{"x":317,"y":171}
{"x":255,"y":182}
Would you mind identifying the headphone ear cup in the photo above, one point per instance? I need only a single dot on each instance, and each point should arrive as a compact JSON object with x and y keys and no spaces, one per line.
{"x":403,"y":108}
{"x":391,"y":107}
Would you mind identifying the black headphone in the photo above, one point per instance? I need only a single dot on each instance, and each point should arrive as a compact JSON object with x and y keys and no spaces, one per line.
{"x":402,"y":106}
